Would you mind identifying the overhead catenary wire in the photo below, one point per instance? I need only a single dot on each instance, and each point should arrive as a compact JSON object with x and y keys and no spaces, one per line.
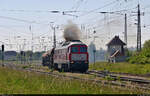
{"x":90,"y":24}
{"x":93,"y":10}
{"x":119,"y":12}
{"x":16,"y":19}
{"x":78,"y":4}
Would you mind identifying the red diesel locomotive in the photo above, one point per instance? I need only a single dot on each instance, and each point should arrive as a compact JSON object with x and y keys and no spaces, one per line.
{"x":68,"y":56}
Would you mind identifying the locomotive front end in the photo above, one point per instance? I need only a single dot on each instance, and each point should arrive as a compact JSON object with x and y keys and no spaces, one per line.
{"x":78,"y":58}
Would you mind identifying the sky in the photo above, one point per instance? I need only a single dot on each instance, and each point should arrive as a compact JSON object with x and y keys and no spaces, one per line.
{"x":17,"y":15}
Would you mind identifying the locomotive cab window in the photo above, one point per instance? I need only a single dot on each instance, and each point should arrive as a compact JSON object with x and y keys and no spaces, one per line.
{"x":74,"y":49}
{"x":83,"y":49}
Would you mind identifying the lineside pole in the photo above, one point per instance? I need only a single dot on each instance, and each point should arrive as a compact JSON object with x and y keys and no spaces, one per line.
{"x":31,"y":55}
{"x":54,"y":37}
{"x":125,"y":30}
{"x":94,"y":50}
{"x":139,"y":30}
{"x":3,"y":55}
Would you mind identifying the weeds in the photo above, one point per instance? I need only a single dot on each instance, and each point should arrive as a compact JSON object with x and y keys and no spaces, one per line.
{"x":24,"y":67}
{"x":109,"y":78}
{"x":123,"y":67}
{"x":23,"y":82}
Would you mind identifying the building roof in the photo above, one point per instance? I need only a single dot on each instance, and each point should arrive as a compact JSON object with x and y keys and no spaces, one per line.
{"x":116,"y":41}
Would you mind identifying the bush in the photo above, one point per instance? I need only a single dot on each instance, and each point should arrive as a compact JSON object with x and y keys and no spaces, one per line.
{"x":142,"y":57}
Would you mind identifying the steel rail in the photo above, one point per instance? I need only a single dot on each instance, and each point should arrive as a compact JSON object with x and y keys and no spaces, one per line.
{"x":115,"y":77}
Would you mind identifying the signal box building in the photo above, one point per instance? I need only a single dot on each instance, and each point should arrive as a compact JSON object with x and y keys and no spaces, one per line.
{"x":116,"y":52}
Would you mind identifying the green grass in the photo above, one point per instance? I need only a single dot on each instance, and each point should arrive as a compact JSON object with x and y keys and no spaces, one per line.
{"x":22,"y":82}
{"x":123,"y":67}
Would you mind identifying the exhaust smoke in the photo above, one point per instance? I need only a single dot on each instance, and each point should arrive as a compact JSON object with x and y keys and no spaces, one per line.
{"x":71,"y":32}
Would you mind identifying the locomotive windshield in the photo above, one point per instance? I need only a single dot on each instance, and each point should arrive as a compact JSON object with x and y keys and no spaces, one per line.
{"x":83,"y":49}
{"x":74,"y":49}
{"x":78,"y":49}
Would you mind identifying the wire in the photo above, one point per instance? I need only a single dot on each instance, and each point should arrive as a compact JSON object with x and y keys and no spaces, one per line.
{"x":36,"y":11}
{"x":98,"y":8}
{"x":11,"y":29}
{"x":77,"y":4}
{"x":21,"y":20}
{"x":101,"y":20}
{"x":113,"y":12}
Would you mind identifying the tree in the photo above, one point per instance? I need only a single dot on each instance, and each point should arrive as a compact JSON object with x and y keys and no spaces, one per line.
{"x":147,"y":45}
{"x":142,"y":57}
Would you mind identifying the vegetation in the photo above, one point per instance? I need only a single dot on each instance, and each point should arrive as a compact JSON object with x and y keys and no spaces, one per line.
{"x":142,"y":57}
{"x":123,"y":67}
{"x":21,"y":82}
{"x":24,"y":55}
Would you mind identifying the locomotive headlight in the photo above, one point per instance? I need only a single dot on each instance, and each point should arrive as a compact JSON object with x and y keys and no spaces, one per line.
{"x":86,"y":61}
{"x":72,"y":62}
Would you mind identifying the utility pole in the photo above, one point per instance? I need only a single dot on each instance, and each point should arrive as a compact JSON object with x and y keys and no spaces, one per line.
{"x":125,"y":30}
{"x":139,"y":30}
{"x":54,"y":38}
{"x":24,"y":44}
{"x":54,"y":35}
{"x":45,"y":48}
{"x":31,"y":43}
{"x":94,"y":50}
{"x":31,"y":38}
{"x":42,"y":41}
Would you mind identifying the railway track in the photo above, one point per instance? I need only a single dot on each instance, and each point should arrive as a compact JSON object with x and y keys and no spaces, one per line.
{"x":142,"y":86}
{"x":98,"y":73}
{"x":103,"y":74}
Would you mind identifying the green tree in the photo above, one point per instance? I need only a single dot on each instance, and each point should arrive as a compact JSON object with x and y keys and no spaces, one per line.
{"x":147,"y":44}
{"x":142,"y":57}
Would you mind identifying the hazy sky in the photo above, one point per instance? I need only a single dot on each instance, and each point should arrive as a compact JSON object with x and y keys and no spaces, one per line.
{"x":17,"y":15}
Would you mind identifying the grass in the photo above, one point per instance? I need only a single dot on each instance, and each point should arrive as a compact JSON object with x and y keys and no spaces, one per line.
{"x":22,"y":82}
{"x":123,"y":67}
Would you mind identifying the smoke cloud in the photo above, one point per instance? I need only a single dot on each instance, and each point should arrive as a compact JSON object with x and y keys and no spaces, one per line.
{"x":71,"y":32}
